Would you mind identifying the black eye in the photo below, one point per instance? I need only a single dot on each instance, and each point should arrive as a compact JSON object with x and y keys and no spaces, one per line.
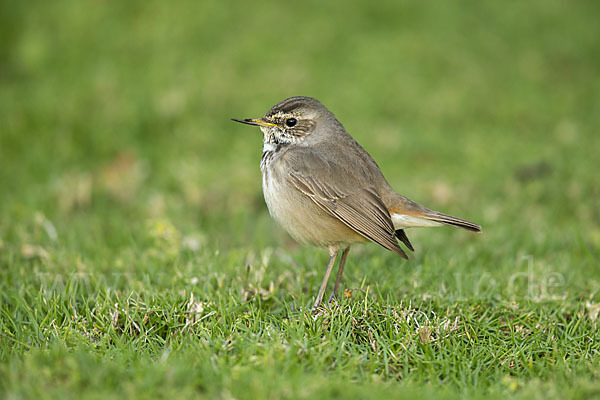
{"x":290,"y":122}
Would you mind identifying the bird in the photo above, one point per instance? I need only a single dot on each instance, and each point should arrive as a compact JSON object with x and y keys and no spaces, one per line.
{"x":325,"y":190}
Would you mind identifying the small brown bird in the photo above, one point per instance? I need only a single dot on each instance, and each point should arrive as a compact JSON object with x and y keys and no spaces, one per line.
{"x":326,"y":190}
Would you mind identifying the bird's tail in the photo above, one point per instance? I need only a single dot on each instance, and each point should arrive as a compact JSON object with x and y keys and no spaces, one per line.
{"x":406,"y":213}
{"x":454,"y":221}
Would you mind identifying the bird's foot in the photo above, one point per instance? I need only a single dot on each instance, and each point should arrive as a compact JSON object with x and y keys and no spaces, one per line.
{"x":333,"y":298}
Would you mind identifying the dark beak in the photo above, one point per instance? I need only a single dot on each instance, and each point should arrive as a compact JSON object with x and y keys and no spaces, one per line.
{"x":254,"y":121}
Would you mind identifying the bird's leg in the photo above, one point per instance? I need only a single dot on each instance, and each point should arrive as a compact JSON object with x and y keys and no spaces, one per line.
{"x":333,"y":251}
{"x":339,"y":273}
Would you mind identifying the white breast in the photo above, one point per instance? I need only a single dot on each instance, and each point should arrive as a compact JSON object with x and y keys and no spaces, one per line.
{"x":275,"y":196}
{"x":268,"y":147}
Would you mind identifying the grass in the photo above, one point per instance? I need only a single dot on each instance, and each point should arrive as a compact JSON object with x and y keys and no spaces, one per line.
{"x":137,"y":258}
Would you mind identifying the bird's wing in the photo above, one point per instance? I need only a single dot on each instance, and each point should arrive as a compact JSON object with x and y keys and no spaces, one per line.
{"x":345,"y":197}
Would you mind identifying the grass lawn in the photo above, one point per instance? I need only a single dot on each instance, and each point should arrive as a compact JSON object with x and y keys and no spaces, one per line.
{"x":137,"y":257}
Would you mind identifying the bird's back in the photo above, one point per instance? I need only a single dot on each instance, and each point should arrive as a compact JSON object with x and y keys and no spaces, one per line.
{"x":362,"y":170}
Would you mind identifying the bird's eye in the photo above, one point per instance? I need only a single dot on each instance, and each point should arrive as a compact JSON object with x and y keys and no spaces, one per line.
{"x":291,"y":122}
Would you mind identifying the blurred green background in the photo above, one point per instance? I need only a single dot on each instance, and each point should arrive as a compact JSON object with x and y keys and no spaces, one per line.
{"x":125,"y":106}
{"x":115,"y":136}
{"x":120,"y":110}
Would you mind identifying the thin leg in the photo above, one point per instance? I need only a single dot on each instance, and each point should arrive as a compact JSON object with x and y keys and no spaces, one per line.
{"x":333,"y":252}
{"x":340,"y":272}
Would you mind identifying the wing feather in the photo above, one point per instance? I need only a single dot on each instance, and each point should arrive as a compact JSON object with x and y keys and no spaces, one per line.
{"x":361,"y":209}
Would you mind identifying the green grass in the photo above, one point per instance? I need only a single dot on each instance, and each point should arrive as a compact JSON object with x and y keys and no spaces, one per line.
{"x":137,"y":257}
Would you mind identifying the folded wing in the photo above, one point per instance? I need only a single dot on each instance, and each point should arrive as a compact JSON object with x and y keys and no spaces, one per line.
{"x":354,"y":203}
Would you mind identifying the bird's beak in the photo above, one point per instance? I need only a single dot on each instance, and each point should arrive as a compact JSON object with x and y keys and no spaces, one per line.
{"x":254,"y":121}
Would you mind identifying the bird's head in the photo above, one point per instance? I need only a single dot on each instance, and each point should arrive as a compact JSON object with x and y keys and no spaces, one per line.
{"x":294,"y":120}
